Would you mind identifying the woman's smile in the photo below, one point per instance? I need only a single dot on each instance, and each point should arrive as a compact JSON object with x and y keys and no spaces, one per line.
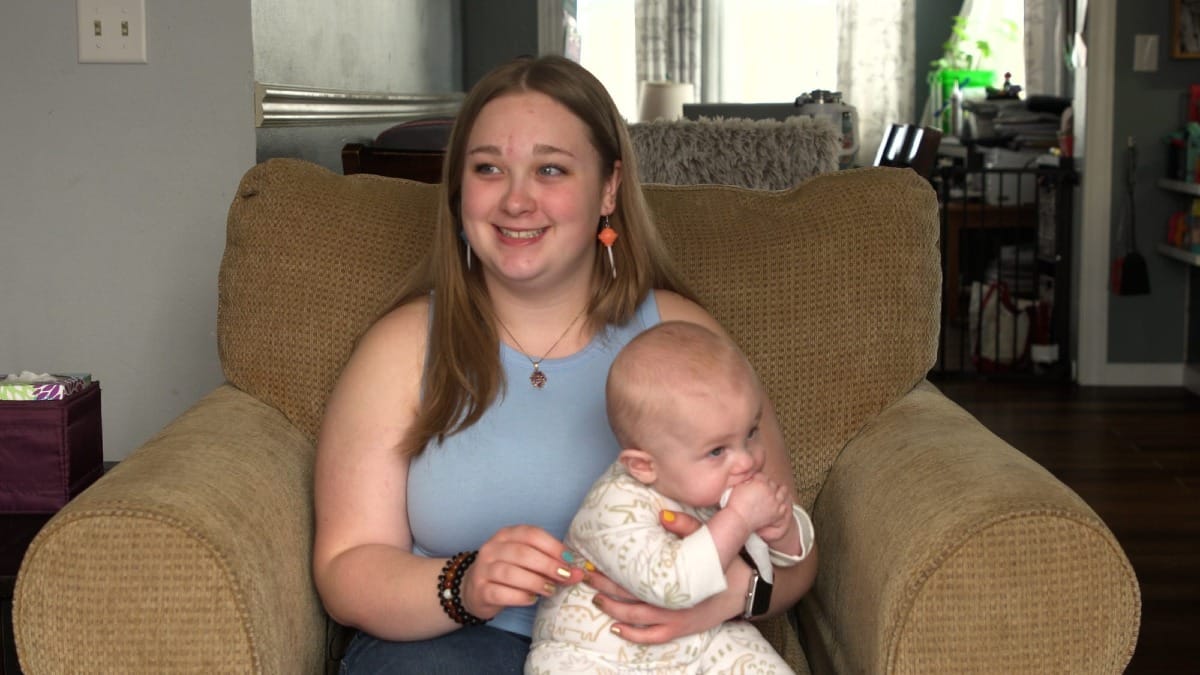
{"x":521,"y":234}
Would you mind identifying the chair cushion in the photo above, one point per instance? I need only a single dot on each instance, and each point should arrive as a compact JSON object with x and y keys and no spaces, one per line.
{"x":831,"y":287}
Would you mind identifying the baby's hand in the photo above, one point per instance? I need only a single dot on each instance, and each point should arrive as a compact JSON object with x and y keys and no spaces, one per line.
{"x":764,"y":505}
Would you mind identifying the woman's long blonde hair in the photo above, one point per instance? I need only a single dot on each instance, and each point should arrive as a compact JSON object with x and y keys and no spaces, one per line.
{"x":462,"y":374}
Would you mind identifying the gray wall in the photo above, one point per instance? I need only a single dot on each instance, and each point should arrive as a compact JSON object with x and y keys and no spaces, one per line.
{"x":114,"y":185}
{"x":393,"y":46}
{"x":495,"y":32}
{"x":408,"y":46}
{"x":1147,"y":106}
{"x":932,"y":22}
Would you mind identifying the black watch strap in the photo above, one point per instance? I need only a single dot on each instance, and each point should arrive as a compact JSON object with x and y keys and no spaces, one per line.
{"x":758,"y":599}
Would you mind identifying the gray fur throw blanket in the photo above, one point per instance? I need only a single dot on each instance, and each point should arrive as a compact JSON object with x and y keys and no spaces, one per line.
{"x":760,"y":154}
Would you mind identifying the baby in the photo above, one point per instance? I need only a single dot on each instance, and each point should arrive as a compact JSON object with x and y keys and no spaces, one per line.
{"x":685,"y":405}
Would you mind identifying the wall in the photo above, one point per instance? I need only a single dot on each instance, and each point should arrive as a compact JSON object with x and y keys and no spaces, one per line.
{"x":392,"y":46}
{"x":495,"y":32}
{"x":1147,"y":106}
{"x":114,"y":187}
{"x":931,"y":27}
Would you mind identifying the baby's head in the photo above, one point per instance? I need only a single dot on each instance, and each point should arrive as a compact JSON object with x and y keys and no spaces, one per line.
{"x":685,"y":405}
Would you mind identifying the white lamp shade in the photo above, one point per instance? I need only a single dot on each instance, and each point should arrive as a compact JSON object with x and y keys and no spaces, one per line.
{"x":664,"y":100}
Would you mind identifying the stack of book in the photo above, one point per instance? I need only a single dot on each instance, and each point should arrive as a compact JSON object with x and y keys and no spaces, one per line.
{"x":1018,"y":124}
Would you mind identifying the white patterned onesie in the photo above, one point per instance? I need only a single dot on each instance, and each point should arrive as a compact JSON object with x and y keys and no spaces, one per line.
{"x":617,"y":528}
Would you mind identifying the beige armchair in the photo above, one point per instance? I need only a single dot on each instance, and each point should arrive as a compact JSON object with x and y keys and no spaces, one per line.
{"x":942,"y":549}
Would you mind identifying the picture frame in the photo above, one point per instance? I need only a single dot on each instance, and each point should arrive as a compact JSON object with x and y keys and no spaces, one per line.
{"x":1185,"y":29}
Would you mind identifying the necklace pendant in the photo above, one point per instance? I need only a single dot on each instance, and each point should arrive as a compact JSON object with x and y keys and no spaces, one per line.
{"x":537,"y":378}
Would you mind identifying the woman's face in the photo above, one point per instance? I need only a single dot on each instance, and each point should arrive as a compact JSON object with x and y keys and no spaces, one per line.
{"x":533,"y":192}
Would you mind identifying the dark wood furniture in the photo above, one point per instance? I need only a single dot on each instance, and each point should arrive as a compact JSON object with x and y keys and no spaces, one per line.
{"x":412,"y":150}
{"x":963,"y":215}
{"x":419,"y":165}
{"x":16,"y":533}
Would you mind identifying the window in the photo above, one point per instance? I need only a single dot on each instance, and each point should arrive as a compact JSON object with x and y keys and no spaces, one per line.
{"x":755,"y":49}
{"x":772,"y":50}
{"x":608,"y":50}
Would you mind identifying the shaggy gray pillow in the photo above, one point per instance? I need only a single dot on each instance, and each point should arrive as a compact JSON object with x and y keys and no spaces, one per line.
{"x":760,"y":154}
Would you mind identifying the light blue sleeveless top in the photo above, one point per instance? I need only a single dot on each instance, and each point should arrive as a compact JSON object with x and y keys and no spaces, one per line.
{"x":529,"y":460}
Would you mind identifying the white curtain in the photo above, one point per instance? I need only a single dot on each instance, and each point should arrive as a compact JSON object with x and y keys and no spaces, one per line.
{"x":875,"y":66}
{"x":875,"y":56}
{"x":668,"y":41}
{"x":1045,"y":71}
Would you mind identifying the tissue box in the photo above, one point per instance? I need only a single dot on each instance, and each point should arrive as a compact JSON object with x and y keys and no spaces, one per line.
{"x":50,"y":450}
{"x":62,"y":386}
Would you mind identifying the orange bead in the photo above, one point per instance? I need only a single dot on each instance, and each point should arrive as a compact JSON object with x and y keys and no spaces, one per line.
{"x":607,"y":236}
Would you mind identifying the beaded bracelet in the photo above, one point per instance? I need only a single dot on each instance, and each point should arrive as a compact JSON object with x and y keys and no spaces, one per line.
{"x":449,"y":583}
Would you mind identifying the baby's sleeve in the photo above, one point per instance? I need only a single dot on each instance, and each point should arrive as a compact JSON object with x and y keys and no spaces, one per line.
{"x":621,"y":535}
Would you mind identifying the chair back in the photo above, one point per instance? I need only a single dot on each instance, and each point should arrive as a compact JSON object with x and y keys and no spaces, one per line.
{"x":831,"y":288}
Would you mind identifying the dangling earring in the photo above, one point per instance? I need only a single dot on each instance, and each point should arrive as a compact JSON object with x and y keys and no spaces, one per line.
{"x":608,"y":237}
{"x":463,"y":235}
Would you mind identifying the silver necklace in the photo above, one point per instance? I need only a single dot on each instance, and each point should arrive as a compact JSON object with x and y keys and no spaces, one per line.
{"x":537,"y":378}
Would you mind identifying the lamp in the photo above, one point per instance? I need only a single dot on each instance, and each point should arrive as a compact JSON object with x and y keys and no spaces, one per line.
{"x":664,"y":100}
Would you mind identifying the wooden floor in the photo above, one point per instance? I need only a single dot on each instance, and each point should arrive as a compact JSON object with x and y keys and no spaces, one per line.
{"x":1133,"y":454}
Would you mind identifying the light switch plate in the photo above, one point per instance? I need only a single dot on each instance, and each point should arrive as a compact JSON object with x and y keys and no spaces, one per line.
{"x":112,"y":31}
{"x":1145,"y":53}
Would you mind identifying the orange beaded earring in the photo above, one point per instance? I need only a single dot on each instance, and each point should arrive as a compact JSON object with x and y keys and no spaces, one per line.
{"x":608,"y":236}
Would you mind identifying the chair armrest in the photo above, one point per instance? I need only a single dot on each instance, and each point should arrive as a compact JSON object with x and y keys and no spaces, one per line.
{"x":943,"y":549}
{"x":192,"y":555}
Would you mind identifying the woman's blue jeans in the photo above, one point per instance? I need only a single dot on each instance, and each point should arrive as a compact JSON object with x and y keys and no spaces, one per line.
{"x":470,"y":650}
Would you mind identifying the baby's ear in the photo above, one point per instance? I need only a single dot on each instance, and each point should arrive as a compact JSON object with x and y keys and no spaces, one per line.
{"x":639,"y":464}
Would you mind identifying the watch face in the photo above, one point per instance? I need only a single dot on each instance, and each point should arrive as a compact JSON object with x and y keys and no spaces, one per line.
{"x":762,"y":596}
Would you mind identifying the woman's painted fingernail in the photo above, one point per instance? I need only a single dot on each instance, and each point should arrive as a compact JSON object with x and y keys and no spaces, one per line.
{"x":563,"y":572}
{"x":549,"y":588}
{"x":668,"y":516}
{"x":569,"y":557}
{"x":596,"y":599}
{"x":616,"y":630}
{"x":588,"y":566}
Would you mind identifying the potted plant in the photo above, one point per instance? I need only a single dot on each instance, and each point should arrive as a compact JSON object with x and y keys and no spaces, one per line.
{"x":961,"y":65}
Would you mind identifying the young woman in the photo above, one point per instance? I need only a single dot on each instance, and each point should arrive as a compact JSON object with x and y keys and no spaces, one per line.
{"x":470,"y":422}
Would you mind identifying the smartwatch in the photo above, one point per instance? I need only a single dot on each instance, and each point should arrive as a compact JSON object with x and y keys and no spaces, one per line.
{"x":758,"y":595}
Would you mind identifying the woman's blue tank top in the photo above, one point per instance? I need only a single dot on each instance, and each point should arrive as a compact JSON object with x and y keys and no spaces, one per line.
{"x":529,"y":460}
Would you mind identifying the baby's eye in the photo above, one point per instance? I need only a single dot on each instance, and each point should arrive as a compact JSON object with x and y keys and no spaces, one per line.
{"x":552,"y":170}
{"x":753,"y":433}
{"x":716,"y":452}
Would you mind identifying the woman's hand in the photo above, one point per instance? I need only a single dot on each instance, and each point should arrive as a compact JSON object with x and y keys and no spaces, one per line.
{"x":514,"y":568}
{"x":643,"y":623}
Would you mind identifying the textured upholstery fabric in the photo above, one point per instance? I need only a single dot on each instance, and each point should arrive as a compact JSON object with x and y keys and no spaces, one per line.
{"x":941,"y":548}
{"x":759,"y":154}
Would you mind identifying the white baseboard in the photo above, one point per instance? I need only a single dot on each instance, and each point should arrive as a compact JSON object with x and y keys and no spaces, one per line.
{"x":1136,"y":375}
